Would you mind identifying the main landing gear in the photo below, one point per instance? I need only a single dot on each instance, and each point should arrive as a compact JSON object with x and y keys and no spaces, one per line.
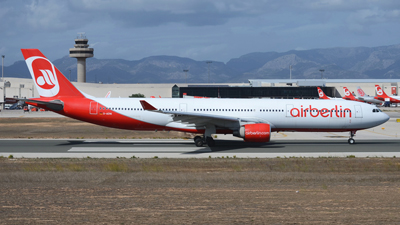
{"x":351,"y":140}
{"x":207,"y":138}
{"x":199,"y":141}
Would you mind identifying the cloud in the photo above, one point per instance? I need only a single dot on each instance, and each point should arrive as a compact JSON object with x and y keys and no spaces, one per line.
{"x":156,"y":13}
{"x":207,"y":29}
{"x":46,"y":15}
{"x":361,"y":21}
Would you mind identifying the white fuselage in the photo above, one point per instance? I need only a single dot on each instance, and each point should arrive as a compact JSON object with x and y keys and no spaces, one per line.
{"x":281,"y":114}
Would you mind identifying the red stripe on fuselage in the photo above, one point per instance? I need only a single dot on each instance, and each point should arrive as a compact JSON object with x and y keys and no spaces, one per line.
{"x":79,"y":108}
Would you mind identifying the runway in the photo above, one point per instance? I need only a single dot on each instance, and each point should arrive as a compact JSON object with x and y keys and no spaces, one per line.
{"x":185,"y":148}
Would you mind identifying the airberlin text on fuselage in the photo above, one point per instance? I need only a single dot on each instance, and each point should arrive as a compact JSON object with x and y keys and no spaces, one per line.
{"x":324,"y":112}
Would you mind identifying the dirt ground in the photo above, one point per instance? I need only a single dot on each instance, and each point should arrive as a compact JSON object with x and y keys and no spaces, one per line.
{"x":67,"y":128}
{"x":200,"y":191}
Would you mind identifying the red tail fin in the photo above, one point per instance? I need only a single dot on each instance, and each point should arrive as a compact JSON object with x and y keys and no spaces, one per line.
{"x":360,"y":92}
{"x":347,"y":94}
{"x":49,"y":81}
{"x":321,"y":94}
{"x":380,"y":92}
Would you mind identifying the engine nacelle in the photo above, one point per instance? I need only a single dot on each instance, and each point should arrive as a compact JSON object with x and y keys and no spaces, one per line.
{"x":259,"y":132}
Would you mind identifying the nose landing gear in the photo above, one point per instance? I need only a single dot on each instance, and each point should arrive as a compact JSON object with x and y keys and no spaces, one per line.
{"x":351,"y":140}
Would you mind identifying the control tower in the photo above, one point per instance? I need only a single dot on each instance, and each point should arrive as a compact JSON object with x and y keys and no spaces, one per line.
{"x":81,"y":51}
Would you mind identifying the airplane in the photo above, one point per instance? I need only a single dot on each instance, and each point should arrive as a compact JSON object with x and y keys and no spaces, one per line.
{"x":349,"y":96}
{"x":366,"y":98}
{"x":384,"y":97}
{"x":250,"y":119}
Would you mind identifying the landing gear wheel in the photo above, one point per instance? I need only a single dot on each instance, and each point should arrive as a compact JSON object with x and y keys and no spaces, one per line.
{"x":210,"y":142}
{"x":351,"y":140}
{"x":197,"y":138}
{"x":199,"y":142}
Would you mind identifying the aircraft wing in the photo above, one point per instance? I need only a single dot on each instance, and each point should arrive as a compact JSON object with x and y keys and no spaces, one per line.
{"x":198,"y":118}
{"x":55,"y":105}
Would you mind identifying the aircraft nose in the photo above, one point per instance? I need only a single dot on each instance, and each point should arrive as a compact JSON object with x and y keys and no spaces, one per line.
{"x":385,"y":117}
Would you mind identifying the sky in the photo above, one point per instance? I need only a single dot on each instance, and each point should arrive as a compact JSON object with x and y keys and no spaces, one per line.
{"x":216,"y":30}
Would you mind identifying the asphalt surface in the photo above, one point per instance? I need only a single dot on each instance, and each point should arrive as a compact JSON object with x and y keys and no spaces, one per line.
{"x":186,"y":149}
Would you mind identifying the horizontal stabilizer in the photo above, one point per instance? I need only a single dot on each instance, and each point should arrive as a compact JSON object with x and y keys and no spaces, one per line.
{"x":55,"y":105}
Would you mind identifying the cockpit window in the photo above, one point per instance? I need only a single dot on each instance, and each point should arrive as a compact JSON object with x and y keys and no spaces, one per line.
{"x":376,"y":110}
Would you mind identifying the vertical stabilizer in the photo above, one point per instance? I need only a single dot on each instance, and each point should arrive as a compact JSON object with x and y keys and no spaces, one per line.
{"x":360,"y":92}
{"x":380,"y":92}
{"x":321,"y":94}
{"x":49,"y":81}
{"x":348,"y":95}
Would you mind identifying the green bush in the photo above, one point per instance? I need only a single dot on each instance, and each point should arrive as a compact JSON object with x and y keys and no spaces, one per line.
{"x":137,"y":95}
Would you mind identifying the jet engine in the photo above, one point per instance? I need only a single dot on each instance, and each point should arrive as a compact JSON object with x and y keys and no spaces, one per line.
{"x":259,"y":132}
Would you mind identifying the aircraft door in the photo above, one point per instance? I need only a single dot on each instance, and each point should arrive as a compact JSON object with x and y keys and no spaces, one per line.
{"x":182,"y":107}
{"x":93,"y":108}
{"x":358,"y":111}
{"x":288,"y":109}
{"x":290,"y":121}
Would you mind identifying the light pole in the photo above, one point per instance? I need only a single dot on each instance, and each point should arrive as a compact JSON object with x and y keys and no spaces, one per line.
{"x":2,"y":67}
{"x":69,"y":75}
{"x":208,"y":63}
{"x":290,"y":68}
{"x":186,"y":75}
{"x":2,"y":80}
{"x":322,"y":73}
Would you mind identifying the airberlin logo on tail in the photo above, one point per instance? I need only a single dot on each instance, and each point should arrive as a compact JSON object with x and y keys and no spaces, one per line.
{"x":320,"y":93}
{"x":360,"y":92}
{"x":47,"y":80}
{"x":379,"y":90}
{"x":347,"y":92}
{"x":44,"y":74}
{"x":337,"y":111}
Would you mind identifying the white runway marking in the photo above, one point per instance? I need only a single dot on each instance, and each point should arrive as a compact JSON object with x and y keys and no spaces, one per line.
{"x":134,"y":141}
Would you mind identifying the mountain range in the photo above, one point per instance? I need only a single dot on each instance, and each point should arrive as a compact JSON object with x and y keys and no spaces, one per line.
{"x":337,"y":63}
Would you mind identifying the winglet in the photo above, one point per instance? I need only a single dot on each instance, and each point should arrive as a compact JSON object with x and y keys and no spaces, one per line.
{"x":147,"y":106}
